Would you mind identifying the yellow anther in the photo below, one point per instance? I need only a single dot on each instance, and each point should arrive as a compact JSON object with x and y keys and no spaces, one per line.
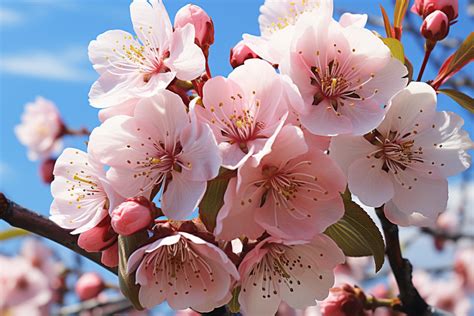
{"x":84,"y":180}
{"x":155,"y":160}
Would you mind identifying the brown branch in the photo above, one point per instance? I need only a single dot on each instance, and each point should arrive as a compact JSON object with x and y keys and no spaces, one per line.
{"x":412,"y":303}
{"x":20,"y":217}
{"x":446,"y":235}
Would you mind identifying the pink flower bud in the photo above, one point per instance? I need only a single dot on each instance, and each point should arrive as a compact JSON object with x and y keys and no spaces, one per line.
{"x":89,"y":286}
{"x":240,"y":53}
{"x":110,"y":256}
{"x":425,"y":7}
{"x":97,"y":238}
{"x":435,"y":27}
{"x":203,"y":25}
{"x":46,"y":170}
{"x":132,"y":215}
{"x":344,"y":300}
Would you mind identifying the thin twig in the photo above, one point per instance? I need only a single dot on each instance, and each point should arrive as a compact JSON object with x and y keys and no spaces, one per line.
{"x":446,"y":235}
{"x":21,"y":217}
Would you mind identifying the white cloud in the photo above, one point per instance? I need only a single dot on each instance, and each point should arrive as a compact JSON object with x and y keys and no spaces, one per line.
{"x":9,"y":17}
{"x":67,"y":65}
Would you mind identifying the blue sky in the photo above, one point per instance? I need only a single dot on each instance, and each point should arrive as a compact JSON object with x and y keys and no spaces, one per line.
{"x":43,"y":51}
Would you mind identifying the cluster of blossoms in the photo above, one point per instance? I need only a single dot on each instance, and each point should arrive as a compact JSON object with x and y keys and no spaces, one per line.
{"x":313,"y":106}
{"x":31,"y":281}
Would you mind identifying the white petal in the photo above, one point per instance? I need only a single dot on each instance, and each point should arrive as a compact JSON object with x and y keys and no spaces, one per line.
{"x":186,"y":58}
{"x":182,"y":196}
{"x":369,"y":182}
{"x":151,"y":23}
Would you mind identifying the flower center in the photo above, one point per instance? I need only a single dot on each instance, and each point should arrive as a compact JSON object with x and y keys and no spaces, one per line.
{"x":332,"y":84}
{"x":398,"y":152}
{"x":284,"y":186}
{"x":180,"y":267}
{"x":241,"y":126}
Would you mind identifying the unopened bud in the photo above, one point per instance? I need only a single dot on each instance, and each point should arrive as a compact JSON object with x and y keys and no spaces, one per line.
{"x":435,"y":26}
{"x":46,"y":170}
{"x":132,"y":216}
{"x":240,"y":53}
{"x":344,"y":300}
{"x":425,"y":7}
{"x":98,"y":238}
{"x":89,"y":285}
{"x":203,"y":25}
{"x":110,"y":256}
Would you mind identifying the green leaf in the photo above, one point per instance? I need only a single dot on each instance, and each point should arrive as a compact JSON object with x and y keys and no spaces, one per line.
{"x":234,"y":305}
{"x":213,"y":199}
{"x":357,"y":235}
{"x":13,"y":233}
{"x":462,"y":99}
{"x":396,"y":48}
{"x":127,"y":245}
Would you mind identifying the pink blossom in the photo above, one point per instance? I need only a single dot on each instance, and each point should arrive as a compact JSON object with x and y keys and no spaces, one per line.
{"x":98,"y":238}
{"x":158,"y":146}
{"x":344,"y":300}
{"x":293,"y":193}
{"x":446,"y":294}
{"x":184,"y":270}
{"x":41,"y":257}
{"x":82,"y":196}
{"x":132,"y":215}
{"x":425,"y":7}
{"x":89,"y":285}
{"x":296,"y":272}
{"x":245,"y":111}
{"x":345,"y":76}
{"x":435,"y":26}
{"x":23,"y":287}
{"x":131,"y":68}
{"x":240,"y":53}
{"x":463,"y":266}
{"x":40,"y":129}
{"x":203,"y":25}
{"x":277,"y":25}
{"x":404,"y":163}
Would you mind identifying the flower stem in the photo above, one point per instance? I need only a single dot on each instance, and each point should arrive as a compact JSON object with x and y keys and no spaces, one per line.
{"x":77,"y":132}
{"x":429,"y":46}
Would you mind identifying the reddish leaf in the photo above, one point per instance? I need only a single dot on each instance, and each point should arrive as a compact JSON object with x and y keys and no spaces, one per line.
{"x":463,"y":56}
{"x":386,"y":22}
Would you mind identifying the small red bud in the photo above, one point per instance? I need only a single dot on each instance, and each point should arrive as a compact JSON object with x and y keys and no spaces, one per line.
{"x":240,"y":53}
{"x":435,"y":27}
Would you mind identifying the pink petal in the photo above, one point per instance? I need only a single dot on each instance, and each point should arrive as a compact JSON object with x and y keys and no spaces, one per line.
{"x":235,"y":219}
{"x":349,"y":19}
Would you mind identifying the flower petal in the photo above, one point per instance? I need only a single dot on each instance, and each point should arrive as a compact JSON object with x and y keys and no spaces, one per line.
{"x":369,"y":182}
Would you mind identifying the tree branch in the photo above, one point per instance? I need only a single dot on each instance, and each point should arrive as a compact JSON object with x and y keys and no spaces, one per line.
{"x":412,"y":303}
{"x":446,"y":235}
{"x":21,"y":217}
